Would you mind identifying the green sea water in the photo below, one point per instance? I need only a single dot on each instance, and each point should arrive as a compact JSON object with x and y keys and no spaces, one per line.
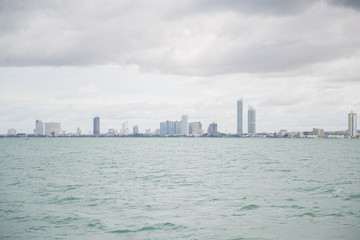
{"x":179,"y":188}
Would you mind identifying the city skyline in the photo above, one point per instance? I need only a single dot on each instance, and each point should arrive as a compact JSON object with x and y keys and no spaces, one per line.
{"x":186,"y":128}
{"x":198,"y":57}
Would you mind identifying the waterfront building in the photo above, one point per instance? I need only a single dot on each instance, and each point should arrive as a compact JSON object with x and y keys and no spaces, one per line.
{"x":283,"y":132}
{"x":319,"y":132}
{"x":78,"y":132}
{"x":251,"y":121}
{"x":148,"y":131}
{"x":184,"y":125}
{"x":352,"y":124}
{"x":136,"y":129}
{"x":96,"y":126}
{"x":167,"y":128}
{"x":212,"y":129}
{"x":177,"y":127}
{"x":240,"y":116}
{"x":11,"y":132}
{"x":111,"y":132}
{"x":39,"y":127}
{"x":52,"y":128}
{"x":125,"y":128}
{"x":157,"y":131}
{"x":195,"y":128}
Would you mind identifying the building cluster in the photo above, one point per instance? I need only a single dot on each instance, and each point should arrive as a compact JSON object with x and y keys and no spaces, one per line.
{"x":167,"y":128}
{"x":181,"y":128}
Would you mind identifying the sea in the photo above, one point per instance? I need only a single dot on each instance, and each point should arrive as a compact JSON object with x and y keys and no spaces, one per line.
{"x":179,"y":188}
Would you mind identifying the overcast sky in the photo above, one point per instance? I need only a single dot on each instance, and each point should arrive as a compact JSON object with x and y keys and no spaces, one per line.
{"x":297,"y":62}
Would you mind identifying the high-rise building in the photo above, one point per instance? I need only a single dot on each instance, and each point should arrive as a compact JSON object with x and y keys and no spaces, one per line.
{"x":11,"y":132}
{"x":39,"y":127}
{"x":167,"y":128}
{"x":212,"y":129}
{"x":240,"y":116}
{"x":184,"y":125}
{"x":125,"y":128}
{"x":52,"y":128}
{"x":352,"y":124}
{"x":195,"y":128}
{"x":136,"y":129}
{"x":251,"y":120}
{"x":96,"y":126}
{"x":177,"y":127}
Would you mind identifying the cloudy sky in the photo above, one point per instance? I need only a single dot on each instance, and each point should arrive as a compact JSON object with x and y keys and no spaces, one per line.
{"x":297,"y":62}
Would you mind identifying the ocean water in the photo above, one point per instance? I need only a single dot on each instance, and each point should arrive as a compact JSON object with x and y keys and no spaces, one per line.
{"x":179,"y":188}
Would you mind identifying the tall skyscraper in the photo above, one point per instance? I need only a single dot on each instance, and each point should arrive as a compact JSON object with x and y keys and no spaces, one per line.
{"x":251,"y":120}
{"x":52,"y":128}
{"x":240,"y":116}
{"x":184,"y":125}
{"x":96,"y":126}
{"x":352,"y":124}
{"x":39,"y":127}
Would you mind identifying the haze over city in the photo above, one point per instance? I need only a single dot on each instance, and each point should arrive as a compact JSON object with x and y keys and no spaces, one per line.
{"x":145,"y":62}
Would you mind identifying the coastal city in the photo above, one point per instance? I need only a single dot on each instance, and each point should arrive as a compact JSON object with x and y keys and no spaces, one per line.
{"x":184,"y":128}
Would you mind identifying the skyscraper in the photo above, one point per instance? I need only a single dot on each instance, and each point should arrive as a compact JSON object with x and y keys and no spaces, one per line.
{"x":352,"y":124}
{"x":240,"y":116}
{"x":184,"y":125}
{"x":39,"y":127}
{"x":96,"y":126}
{"x":251,"y":120}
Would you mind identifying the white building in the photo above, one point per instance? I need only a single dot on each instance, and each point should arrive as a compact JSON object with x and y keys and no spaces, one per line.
{"x":185,"y":125}
{"x":125,"y":128}
{"x":11,"y":132}
{"x":52,"y":128}
{"x":319,"y":132}
{"x":112,"y":132}
{"x":195,"y":128}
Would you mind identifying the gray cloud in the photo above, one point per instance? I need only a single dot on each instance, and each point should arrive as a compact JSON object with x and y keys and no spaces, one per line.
{"x":263,"y":7}
{"x":355,"y":4}
{"x":207,"y":37}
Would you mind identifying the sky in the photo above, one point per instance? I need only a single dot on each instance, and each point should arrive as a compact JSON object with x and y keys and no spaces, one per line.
{"x":296,"y":62}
